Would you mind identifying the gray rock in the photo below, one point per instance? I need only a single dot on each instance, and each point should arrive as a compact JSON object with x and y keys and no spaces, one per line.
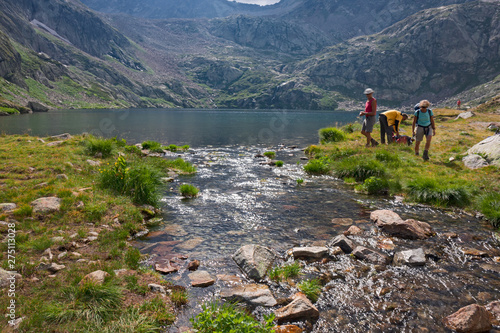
{"x":489,"y":149}
{"x":7,"y":277}
{"x":7,"y":207}
{"x":37,"y":107}
{"x":54,"y":268}
{"x":253,"y":294}
{"x":313,"y":252}
{"x":64,"y":136}
{"x":54,"y":143}
{"x":343,"y":242}
{"x":370,"y":255}
{"x":474,"y":161}
{"x":465,"y":115}
{"x":46,"y":205}
{"x":156,"y":288}
{"x":414,"y":257}
{"x":94,"y":163}
{"x":62,"y":176}
{"x":300,"y":307}
{"x":254,"y":260}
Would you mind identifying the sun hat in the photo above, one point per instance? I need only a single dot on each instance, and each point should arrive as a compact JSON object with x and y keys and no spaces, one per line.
{"x":368,"y":91}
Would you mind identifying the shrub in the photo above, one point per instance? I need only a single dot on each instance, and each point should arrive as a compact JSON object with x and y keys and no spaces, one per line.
{"x":440,"y":193}
{"x":94,"y":146}
{"x":331,"y":134}
{"x":374,"y":185}
{"x":132,"y":257}
{"x":188,"y":190}
{"x":489,"y":206}
{"x":90,"y":302}
{"x":312,"y":150}
{"x":317,"y":167}
{"x":270,"y":154}
{"x":279,"y":164}
{"x":281,"y":273}
{"x":359,"y":168}
{"x":142,"y":184}
{"x":311,"y":288}
{"x":349,"y":128}
{"x":226,"y":317}
{"x":172,"y":148}
{"x":151,"y":145}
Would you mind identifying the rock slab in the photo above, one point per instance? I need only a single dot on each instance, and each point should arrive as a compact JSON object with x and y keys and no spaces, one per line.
{"x":201,"y":279}
{"x":300,"y":307}
{"x":254,"y":260}
{"x":414,"y":257}
{"x":253,"y":294}
{"x":46,"y":205}
{"x":311,"y":252}
{"x":392,"y":224}
{"x":470,"y":319}
{"x":489,"y":148}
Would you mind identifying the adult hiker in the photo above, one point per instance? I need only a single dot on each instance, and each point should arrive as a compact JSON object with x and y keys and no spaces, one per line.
{"x":369,"y":113}
{"x":423,"y":125}
{"x":389,"y":123}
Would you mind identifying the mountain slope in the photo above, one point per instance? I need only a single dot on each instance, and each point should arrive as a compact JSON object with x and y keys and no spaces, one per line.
{"x":434,"y":54}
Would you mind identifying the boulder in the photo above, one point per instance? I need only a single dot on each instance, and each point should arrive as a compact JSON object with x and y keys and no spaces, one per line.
{"x":392,"y":224}
{"x":300,"y":307}
{"x":414,"y":257}
{"x":312,"y":252}
{"x":343,"y":242}
{"x":489,"y":148}
{"x":7,"y":277}
{"x":201,"y":279}
{"x":370,"y":255}
{"x":7,"y":207}
{"x":193,"y":265}
{"x":474,"y":161}
{"x":470,"y":319}
{"x":253,"y":294}
{"x":156,"y":288}
{"x":64,"y":136}
{"x":494,"y":309}
{"x":465,"y":115}
{"x":37,"y":107}
{"x":46,"y":205}
{"x":254,"y":260}
{"x":96,"y":277}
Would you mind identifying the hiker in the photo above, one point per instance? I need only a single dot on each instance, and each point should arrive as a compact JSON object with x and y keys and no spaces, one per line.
{"x":458,"y":104}
{"x":369,"y":113}
{"x":425,"y":126}
{"x":389,"y":123}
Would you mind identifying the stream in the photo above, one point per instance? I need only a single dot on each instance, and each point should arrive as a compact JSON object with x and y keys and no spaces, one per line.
{"x":244,"y":201}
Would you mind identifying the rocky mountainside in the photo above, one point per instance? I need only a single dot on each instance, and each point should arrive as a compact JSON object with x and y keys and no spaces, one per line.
{"x":434,"y":54}
{"x":295,"y":54}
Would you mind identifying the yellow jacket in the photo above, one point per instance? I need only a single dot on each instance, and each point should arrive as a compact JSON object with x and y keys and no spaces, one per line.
{"x":394,"y":118}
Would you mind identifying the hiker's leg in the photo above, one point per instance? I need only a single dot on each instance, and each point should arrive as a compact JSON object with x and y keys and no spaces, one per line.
{"x":428,"y":142}
{"x":417,"y":146}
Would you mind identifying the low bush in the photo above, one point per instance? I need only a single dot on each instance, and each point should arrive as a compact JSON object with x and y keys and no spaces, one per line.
{"x":216,"y":317}
{"x":270,"y":154}
{"x":437,"y":192}
{"x":188,"y":190}
{"x":279,"y":164}
{"x":317,"y":167}
{"x":489,"y":206}
{"x":311,"y":288}
{"x":95,"y":146}
{"x":331,"y":134}
{"x":374,"y":185}
{"x":359,"y":168}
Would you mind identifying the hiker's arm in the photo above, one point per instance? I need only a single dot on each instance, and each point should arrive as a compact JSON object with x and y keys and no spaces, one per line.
{"x":433,"y":125}
{"x":374,"y":108}
{"x":396,"y":127}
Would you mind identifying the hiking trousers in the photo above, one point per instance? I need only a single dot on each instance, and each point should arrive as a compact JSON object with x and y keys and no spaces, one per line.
{"x":385,"y":129}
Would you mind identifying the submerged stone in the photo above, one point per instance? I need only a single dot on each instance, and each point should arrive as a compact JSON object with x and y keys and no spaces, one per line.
{"x":201,"y":279}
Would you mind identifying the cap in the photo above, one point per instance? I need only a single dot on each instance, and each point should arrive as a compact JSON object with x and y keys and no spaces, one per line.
{"x":368,"y":91}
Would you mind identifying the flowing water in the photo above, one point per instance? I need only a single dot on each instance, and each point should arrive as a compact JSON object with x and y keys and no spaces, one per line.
{"x":244,"y":201}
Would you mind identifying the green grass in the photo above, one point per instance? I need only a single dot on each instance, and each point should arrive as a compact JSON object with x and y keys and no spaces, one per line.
{"x":188,"y":190}
{"x":374,"y":185}
{"x":279,"y":164}
{"x":270,"y":154}
{"x":489,"y":205}
{"x":281,"y":273}
{"x":317,"y":166}
{"x":132,"y":257}
{"x":104,"y":147}
{"x":359,"y":168}
{"x":311,"y":288}
{"x":438,"y":192}
{"x":216,"y":317}
{"x":331,"y":134}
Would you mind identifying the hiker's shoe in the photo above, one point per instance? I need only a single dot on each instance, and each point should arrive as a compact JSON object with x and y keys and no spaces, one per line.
{"x":426,"y":155}
{"x":374,"y":143}
{"x":417,"y":154}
